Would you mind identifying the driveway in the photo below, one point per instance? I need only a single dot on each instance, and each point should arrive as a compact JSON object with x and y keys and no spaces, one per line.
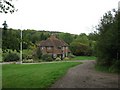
{"x":85,"y":76}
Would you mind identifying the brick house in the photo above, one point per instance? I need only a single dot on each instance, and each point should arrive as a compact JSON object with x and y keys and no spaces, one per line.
{"x":55,"y":47}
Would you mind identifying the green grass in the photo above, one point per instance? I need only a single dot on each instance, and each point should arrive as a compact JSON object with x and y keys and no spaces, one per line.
{"x":84,"y":58}
{"x":105,"y":69}
{"x":102,"y":68}
{"x":34,"y":75}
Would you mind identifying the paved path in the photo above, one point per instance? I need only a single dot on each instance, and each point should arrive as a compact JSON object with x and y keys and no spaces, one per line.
{"x":85,"y":76}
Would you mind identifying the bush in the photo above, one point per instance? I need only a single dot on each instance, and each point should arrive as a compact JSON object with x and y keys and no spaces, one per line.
{"x":115,"y":67}
{"x":80,"y":49}
{"x":71,"y":56}
{"x":58,"y":59}
{"x":66,"y":58}
{"x":38,"y":53}
{"x":28,"y":61}
{"x":47,"y":57}
{"x":24,"y":56}
{"x":11,"y":57}
{"x":29,"y":57}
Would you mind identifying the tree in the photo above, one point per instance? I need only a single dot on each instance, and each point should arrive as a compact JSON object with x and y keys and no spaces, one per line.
{"x":80,"y":49}
{"x":7,"y":6}
{"x":38,"y":53}
{"x":67,"y":37}
{"x":5,"y":26}
{"x":10,"y":39}
{"x":108,"y":44}
{"x":82,"y":38}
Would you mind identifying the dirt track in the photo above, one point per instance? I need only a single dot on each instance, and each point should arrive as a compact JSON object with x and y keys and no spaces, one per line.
{"x":85,"y":76}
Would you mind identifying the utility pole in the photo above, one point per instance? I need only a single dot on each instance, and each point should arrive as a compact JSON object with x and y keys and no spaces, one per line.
{"x":21,"y":47}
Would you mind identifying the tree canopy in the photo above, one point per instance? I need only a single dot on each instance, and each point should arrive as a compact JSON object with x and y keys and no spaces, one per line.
{"x":108,"y":44}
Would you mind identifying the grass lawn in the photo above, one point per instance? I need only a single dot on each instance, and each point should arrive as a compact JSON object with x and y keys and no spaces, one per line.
{"x":34,"y":75}
{"x":84,"y":58}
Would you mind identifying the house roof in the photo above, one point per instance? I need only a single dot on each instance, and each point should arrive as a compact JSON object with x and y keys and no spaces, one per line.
{"x":53,"y":41}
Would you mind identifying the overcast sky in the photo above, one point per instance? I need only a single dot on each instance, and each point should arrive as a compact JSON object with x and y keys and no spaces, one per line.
{"x":73,"y":16}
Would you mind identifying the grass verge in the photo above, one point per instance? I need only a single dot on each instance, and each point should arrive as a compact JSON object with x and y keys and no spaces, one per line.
{"x":84,"y":58}
{"x":102,"y":68}
{"x":34,"y":75}
{"x":106,"y":69}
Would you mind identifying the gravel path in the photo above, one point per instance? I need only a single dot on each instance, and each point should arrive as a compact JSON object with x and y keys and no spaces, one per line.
{"x":85,"y":76}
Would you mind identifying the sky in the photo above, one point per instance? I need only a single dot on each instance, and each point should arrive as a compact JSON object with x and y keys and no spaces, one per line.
{"x":72,"y":16}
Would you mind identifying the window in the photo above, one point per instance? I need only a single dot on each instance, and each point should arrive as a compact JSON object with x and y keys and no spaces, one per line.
{"x":42,"y":48}
{"x":59,"y":47}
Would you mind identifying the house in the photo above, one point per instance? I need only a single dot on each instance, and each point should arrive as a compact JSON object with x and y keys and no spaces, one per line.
{"x":55,"y":47}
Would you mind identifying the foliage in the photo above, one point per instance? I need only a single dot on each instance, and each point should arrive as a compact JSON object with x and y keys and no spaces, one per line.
{"x":11,"y":57}
{"x":37,"y":53}
{"x":108,"y":44}
{"x":82,"y":38}
{"x":47,"y":57}
{"x":27,"y":54}
{"x":71,"y":55}
{"x":80,"y":49}
{"x":7,"y":6}
{"x":28,"y":61}
{"x":113,"y":69}
{"x":58,"y":59}
{"x":5,"y":25}
{"x":10,"y":40}
{"x":66,"y":58}
{"x":24,"y":56}
{"x":93,"y":36}
{"x":33,"y":37}
{"x":34,"y":75}
{"x":67,"y":37}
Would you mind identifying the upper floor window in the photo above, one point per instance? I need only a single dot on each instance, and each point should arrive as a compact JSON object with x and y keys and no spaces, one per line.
{"x":59,"y":47}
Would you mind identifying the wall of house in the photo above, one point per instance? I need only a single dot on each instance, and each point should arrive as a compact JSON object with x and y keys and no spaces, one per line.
{"x":45,"y":50}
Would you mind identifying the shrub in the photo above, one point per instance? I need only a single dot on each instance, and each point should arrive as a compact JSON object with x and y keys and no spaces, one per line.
{"x":29,"y":57}
{"x":115,"y":67}
{"x":66,"y":58}
{"x":37,"y":53}
{"x":28,"y":61}
{"x":24,"y":56}
{"x":47,"y":57}
{"x":11,"y":57}
{"x":71,"y":56}
{"x":80,"y":49}
{"x":58,"y":59}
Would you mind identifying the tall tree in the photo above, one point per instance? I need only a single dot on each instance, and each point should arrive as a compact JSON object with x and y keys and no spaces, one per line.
{"x":108,"y":43}
{"x":10,"y":38}
{"x":5,"y":26}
